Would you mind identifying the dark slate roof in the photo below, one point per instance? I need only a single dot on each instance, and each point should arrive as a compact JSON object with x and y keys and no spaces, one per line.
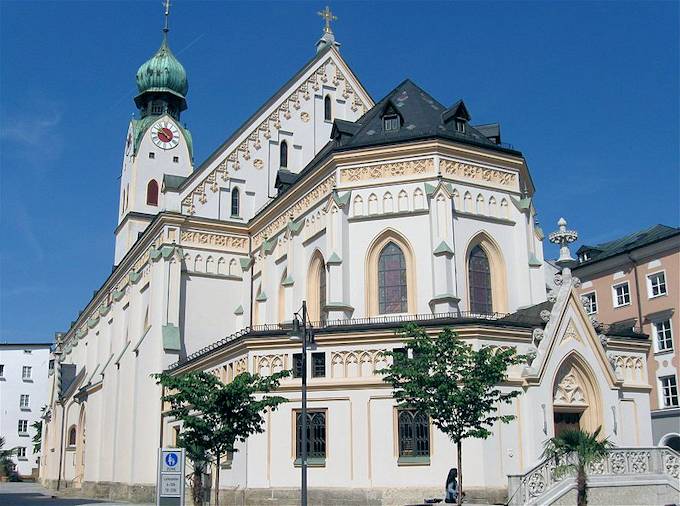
{"x":529,"y":315}
{"x":171,"y":182}
{"x":421,"y":117}
{"x":626,"y":243}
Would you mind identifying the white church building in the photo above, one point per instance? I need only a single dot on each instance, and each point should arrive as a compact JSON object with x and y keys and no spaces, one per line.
{"x":375,"y":213}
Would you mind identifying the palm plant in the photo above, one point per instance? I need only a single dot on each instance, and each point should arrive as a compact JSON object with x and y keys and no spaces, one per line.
{"x":575,"y":451}
{"x":6,"y":464}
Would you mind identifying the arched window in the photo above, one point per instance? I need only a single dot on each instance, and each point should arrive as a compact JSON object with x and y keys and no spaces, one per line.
{"x":327,"y":108}
{"x":316,"y":288}
{"x":72,"y":436}
{"x":235,"y":198}
{"x":152,"y":193}
{"x":414,"y":434}
{"x":479,"y":278}
{"x":283,"y":154}
{"x":392,"y":297}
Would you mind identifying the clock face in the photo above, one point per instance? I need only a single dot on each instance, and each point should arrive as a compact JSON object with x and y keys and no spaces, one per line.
{"x":165,"y":135}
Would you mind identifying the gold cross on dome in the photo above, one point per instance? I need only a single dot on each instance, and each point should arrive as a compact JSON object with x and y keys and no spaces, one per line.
{"x":327,"y":16}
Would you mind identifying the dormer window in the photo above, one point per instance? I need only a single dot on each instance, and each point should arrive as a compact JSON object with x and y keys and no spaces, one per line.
{"x":584,"y":257}
{"x":391,"y":123}
{"x":460,"y":126}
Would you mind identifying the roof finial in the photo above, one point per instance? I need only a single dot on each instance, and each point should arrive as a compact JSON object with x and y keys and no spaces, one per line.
{"x":166,"y":5}
{"x":563,"y":237}
{"x":327,"y":16}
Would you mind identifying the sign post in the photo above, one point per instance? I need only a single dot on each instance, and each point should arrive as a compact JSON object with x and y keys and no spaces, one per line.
{"x":170,"y":480}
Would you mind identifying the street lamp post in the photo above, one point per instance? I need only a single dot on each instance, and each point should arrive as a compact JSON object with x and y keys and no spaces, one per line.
{"x":302,"y":331}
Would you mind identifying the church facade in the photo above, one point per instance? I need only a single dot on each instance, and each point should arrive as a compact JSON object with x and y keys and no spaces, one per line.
{"x":375,"y":214}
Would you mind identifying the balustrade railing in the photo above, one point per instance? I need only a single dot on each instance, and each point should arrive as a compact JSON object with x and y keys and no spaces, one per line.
{"x":533,"y":486}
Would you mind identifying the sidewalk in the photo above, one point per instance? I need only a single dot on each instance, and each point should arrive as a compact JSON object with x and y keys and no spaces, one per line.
{"x":33,"y":494}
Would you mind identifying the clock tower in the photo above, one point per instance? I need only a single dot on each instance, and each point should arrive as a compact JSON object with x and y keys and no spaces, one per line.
{"x":158,"y":148}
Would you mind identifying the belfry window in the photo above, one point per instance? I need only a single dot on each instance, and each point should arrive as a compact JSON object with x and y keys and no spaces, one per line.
{"x":391,"y":123}
{"x":283,"y":154}
{"x":414,"y":434}
{"x":392,"y":295}
{"x":327,"y":109}
{"x":152,"y":193}
{"x":479,"y":279}
{"x":72,"y":436}
{"x":235,"y":198}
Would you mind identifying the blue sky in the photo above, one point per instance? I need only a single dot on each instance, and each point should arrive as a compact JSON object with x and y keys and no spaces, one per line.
{"x":587,"y":90}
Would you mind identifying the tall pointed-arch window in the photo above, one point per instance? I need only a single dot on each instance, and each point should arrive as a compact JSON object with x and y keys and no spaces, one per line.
{"x":479,"y":279}
{"x":392,"y":294}
{"x":235,"y":200}
{"x":327,"y":108}
{"x":152,"y":193}
{"x":283,"y":154}
{"x":316,"y":288}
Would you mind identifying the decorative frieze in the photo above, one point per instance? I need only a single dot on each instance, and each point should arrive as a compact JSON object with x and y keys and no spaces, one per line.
{"x":476,"y":173}
{"x":387,"y":170}
{"x":216,"y":241}
{"x":311,"y":198}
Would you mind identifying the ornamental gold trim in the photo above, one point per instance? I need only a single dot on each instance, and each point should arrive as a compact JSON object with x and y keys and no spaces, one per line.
{"x":387,"y":170}
{"x":216,"y":241}
{"x":477,"y":173}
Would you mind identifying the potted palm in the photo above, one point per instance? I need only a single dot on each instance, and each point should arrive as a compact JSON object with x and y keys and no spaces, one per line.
{"x":575,"y":451}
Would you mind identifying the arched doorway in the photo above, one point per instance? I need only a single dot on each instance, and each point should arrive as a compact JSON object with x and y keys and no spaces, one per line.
{"x":672,"y":441}
{"x":576,"y":398}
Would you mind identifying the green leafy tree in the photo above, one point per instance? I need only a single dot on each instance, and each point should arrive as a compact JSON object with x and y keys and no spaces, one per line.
{"x":456,"y":385}
{"x":215,"y":415}
{"x":575,"y":451}
{"x":37,"y":437}
{"x":6,"y":464}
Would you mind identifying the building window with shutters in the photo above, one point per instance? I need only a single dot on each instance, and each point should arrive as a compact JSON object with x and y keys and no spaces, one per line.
{"x":414,"y":437}
{"x":316,"y":437}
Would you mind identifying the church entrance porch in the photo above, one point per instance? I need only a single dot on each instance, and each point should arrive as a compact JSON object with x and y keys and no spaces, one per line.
{"x":566,"y":420}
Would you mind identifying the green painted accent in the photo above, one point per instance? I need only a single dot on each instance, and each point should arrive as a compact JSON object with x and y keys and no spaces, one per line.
{"x":443,"y":248}
{"x":117,"y":295}
{"x":104,"y":309}
{"x":92,"y":322}
{"x":295,"y":227}
{"x":80,"y":333}
{"x":539,"y":232}
{"x":171,"y":341}
{"x":334,"y":259}
{"x":134,"y":277}
{"x":154,"y":254}
{"x":444,"y":297}
{"x":262,"y":297}
{"x":533,"y":261}
{"x":267,"y":246}
{"x":449,"y":187}
{"x":167,"y":251}
{"x":288,"y":281}
{"x":522,"y":204}
{"x":341,"y":200}
{"x":430,"y":189}
{"x":424,"y":460}
{"x":312,"y":462}
{"x":239,"y":310}
{"x":338,"y":306}
{"x":245,"y":263}
{"x":120,"y":353}
{"x":163,"y":73}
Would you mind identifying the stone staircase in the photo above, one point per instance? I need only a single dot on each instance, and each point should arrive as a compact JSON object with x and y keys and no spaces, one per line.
{"x":648,"y":476}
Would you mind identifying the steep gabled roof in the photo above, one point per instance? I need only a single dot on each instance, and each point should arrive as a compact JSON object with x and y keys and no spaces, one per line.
{"x":626,"y":243}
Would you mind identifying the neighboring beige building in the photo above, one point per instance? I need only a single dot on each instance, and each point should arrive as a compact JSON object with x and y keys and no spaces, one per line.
{"x":634,"y":281}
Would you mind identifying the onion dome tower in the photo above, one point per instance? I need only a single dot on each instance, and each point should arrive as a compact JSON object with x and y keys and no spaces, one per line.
{"x":162,"y":82}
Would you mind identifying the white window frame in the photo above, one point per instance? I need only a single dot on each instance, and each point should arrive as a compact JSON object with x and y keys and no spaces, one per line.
{"x":22,"y":424}
{"x":24,"y":370}
{"x":650,"y":285}
{"x":21,"y":453}
{"x":615,"y":298}
{"x":594,"y":302}
{"x":27,"y":405}
{"x":662,"y":396}
{"x":655,"y":331}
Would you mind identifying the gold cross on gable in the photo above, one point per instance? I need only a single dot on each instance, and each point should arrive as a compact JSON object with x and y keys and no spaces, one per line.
{"x":327,"y":16}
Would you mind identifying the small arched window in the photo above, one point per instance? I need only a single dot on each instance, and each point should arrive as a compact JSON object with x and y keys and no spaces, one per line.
{"x":152,"y":193}
{"x":392,"y":294}
{"x":327,"y":109}
{"x":283,"y":154}
{"x":235,"y":199}
{"x":72,"y":436}
{"x":479,"y":279}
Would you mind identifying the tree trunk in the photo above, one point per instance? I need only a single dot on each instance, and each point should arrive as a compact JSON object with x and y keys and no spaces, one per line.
{"x":582,"y":493}
{"x":197,"y":486}
{"x":459,"y":496}
{"x":217,"y":481}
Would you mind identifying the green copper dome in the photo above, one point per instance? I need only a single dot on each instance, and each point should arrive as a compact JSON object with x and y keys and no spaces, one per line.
{"x":163,"y":73}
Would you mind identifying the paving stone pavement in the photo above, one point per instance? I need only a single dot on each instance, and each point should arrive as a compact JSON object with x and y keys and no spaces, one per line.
{"x":32,"y":494}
